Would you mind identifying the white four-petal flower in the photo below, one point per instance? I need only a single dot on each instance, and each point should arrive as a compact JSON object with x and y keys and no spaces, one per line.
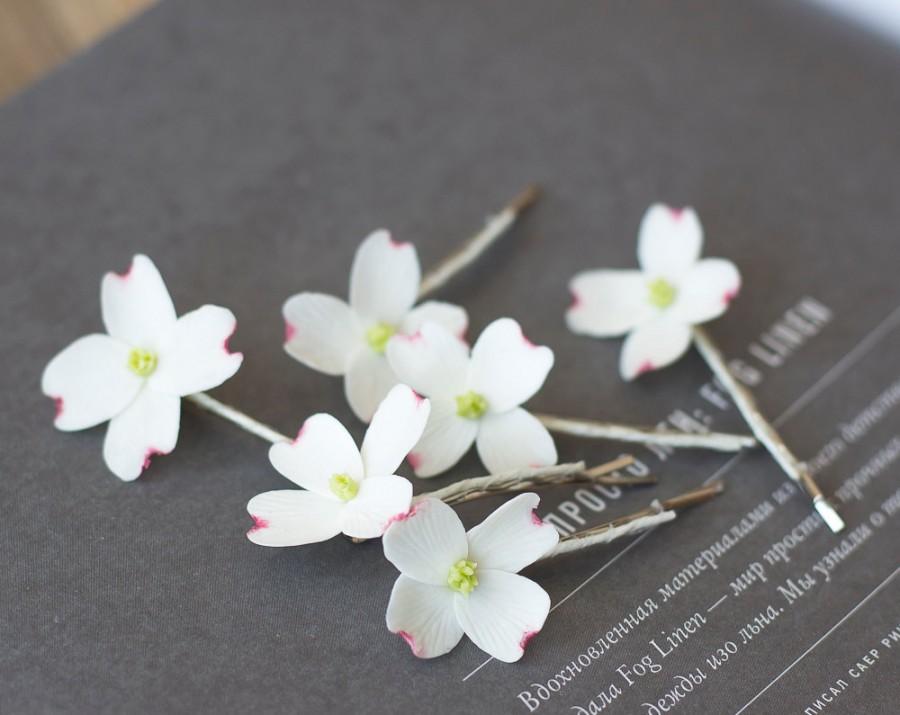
{"x":658,"y":304}
{"x":453,"y":582}
{"x":476,"y":398}
{"x":348,"y":490}
{"x":327,"y":334}
{"x":136,"y":375}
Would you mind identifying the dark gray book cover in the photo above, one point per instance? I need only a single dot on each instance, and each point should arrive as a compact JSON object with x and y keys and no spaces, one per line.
{"x":248,"y":148}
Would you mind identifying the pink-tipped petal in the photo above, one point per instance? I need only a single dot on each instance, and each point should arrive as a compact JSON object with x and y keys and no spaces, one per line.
{"x":502,"y":608}
{"x":669,"y":243}
{"x":384,"y":279}
{"x":507,"y":369}
{"x":512,"y":537}
{"x":423,"y":616}
{"x":291,"y":517}
{"x":396,"y":427}
{"x":427,"y":543}
{"x":609,"y":303}
{"x":196,"y":357}
{"x":148,"y":426}
{"x":90,"y":382}
{"x":136,"y":306}
{"x":322,"y":332}
{"x":653,"y":345}
{"x":706,"y":291}
{"x":432,"y":361}
{"x":514,"y":440}
{"x":323,"y":448}
{"x":380,"y":502}
{"x":447,"y":437}
{"x":450,"y":317}
{"x":367,"y":383}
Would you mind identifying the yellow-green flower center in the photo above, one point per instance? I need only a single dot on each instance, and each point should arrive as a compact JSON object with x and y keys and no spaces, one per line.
{"x":661,"y":293}
{"x":343,"y":486}
{"x":462,"y":576}
{"x":378,"y":335}
{"x":142,"y":362}
{"x":471,"y":405}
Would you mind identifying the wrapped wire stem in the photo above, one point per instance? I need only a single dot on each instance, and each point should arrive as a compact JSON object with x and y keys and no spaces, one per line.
{"x":764,"y":430}
{"x":468,"y":253}
{"x":533,"y":478}
{"x":659,"y":512}
{"x":591,"y":429}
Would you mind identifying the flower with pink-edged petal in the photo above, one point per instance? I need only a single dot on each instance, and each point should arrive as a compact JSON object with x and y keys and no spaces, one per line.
{"x":453,"y":582}
{"x":331,"y":336}
{"x":656,"y":305}
{"x":476,"y":397}
{"x":345,"y":489}
{"x":136,"y":374}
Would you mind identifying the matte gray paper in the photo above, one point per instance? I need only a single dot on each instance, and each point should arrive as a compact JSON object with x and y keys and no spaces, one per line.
{"x":248,"y":149}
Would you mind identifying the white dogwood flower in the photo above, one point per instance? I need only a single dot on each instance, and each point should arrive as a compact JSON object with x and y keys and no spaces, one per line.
{"x":328,"y":335}
{"x":477,"y":397}
{"x":346,"y":489}
{"x":657,"y":305}
{"x":136,"y":375}
{"x":452,"y":582}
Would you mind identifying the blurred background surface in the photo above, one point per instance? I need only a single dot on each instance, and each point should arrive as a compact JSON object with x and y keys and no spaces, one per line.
{"x":37,"y":35}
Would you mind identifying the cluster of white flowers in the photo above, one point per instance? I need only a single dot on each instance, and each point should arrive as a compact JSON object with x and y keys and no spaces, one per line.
{"x":428,"y":397}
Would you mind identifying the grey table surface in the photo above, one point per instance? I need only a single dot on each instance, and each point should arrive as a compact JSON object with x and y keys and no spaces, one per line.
{"x":248,"y":148}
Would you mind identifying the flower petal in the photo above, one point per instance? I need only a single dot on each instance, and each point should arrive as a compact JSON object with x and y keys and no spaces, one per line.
{"x":450,"y":317}
{"x":321,"y":331}
{"x":379,"y":502}
{"x":136,"y":305}
{"x":290,"y":517}
{"x":503,"y":612}
{"x":423,"y":615}
{"x":706,"y":290}
{"x":196,"y":357}
{"x":608,"y":303}
{"x":426,"y":543}
{"x":652,"y":346}
{"x":323,"y":448}
{"x":506,"y":367}
{"x":149,"y":426}
{"x":446,"y":439}
{"x":514,"y":440}
{"x":432,"y":361}
{"x":90,"y":382}
{"x":512,"y":536}
{"x":396,"y":427}
{"x":384,"y":280}
{"x":367,"y":383}
{"x":669,"y":241}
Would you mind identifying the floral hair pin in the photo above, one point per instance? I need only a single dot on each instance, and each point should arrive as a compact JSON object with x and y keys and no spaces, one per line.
{"x":454,"y":582}
{"x":135,"y":374}
{"x":661,"y":307}
{"x":355,"y":491}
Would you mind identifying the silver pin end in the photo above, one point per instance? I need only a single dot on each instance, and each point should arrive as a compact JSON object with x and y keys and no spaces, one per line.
{"x":829,"y":514}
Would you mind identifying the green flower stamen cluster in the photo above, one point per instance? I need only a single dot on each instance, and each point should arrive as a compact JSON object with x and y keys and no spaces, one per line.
{"x":462,"y":577}
{"x":471,"y":405}
{"x":378,"y":335}
{"x":142,"y":362}
{"x":343,"y":486}
{"x":662,"y":293}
